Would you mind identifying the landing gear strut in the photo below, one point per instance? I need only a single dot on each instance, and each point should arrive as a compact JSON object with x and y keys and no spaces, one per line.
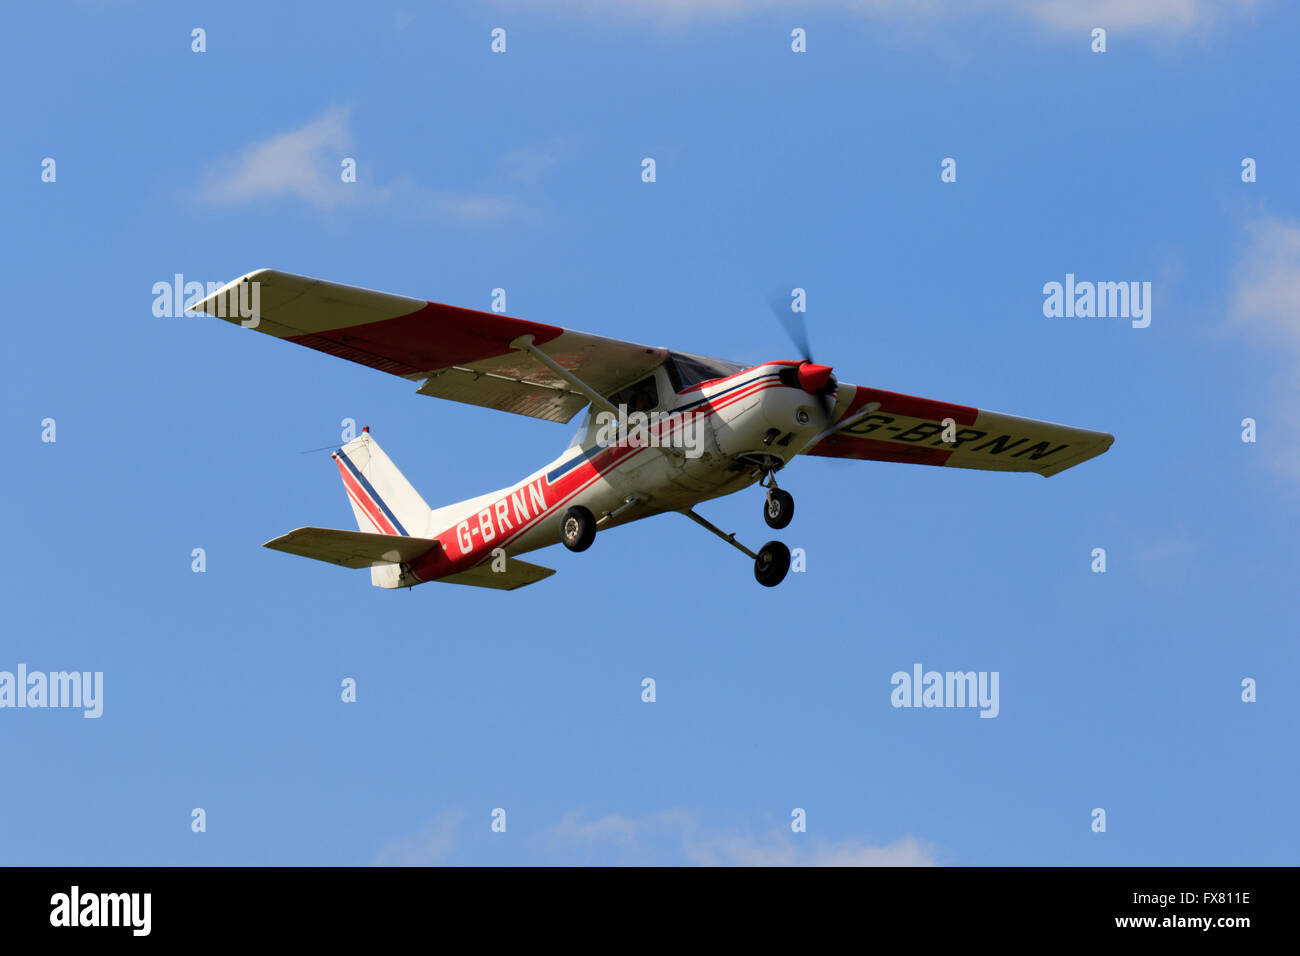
{"x":778,"y":508}
{"x":770,"y":564}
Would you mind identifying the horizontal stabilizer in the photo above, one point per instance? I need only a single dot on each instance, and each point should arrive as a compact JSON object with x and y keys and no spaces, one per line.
{"x":517,"y":574}
{"x":352,"y":549}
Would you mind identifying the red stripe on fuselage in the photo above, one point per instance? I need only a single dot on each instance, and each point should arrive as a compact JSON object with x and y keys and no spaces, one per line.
{"x":714,"y":382}
{"x":438,"y":563}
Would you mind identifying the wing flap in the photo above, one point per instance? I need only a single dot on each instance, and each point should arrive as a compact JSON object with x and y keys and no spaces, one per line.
{"x":351,"y":549}
{"x":490,"y":390}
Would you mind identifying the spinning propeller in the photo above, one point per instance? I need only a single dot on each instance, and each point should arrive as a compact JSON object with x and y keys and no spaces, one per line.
{"x":814,"y":379}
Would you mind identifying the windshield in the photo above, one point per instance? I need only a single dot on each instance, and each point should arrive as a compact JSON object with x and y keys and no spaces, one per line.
{"x":686,"y":370}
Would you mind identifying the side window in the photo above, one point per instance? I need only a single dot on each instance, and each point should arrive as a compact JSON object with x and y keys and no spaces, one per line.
{"x":640,"y":397}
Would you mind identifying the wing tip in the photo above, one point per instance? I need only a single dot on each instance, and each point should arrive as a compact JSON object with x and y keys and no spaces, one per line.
{"x":1100,"y":447}
{"x":215,"y":304}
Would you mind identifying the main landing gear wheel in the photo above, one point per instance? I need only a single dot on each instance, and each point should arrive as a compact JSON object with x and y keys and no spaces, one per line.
{"x":778,"y":510}
{"x":578,"y":529}
{"x":772,"y":563}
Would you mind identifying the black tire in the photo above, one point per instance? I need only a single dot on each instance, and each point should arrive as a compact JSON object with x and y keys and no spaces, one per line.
{"x":778,"y":509}
{"x":578,"y":528}
{"x":772,"y":564}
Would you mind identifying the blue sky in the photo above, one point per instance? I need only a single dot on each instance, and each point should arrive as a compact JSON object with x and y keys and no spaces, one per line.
{"x":522,"y":170}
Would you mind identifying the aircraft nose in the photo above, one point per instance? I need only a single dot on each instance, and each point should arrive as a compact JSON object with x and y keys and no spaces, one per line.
{"x":813,"y":378}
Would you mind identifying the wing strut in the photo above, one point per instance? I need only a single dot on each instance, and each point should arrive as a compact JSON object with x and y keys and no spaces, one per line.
{"x":525,"y":344}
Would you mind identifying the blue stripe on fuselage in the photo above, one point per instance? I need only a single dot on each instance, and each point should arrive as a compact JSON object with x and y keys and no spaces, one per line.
{"x":726,"y":391}
{"x":586,"y":455}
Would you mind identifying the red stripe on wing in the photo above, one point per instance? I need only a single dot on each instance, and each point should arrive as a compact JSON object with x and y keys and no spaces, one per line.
{"x":909,"y":406}
{"x":433,"y":337}
{"x":873,"y":449}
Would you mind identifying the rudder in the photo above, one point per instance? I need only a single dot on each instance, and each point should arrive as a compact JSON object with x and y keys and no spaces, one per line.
{"x":383,"y":501}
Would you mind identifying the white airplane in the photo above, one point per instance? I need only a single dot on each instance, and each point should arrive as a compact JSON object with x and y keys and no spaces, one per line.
{"x":663,"y":431}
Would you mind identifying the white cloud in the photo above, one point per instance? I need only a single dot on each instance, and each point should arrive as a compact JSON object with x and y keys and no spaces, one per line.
{"x":667,"y":838}
{"x":676,"y":836}
{"x":1265,"y":308}
{"x":1266,"y":293}
{"x":529,"y":164}
{"x":431,"y":846}
{"x":1174,"y":16}
{"x":306,"y":164}
{"x":302,"y":163}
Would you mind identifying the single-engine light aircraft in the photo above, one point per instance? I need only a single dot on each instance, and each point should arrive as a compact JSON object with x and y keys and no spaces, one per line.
{"x":663,"y":431}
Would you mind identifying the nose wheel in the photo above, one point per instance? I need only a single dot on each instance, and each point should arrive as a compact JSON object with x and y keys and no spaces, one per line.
{"x":778,"y":509}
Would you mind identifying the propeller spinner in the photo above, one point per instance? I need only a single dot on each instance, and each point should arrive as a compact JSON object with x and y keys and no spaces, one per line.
{"x":815,"y":379}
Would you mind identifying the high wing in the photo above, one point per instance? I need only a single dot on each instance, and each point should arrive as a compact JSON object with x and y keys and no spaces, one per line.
{"x":903,"y":428}
{"x":459,"y":354}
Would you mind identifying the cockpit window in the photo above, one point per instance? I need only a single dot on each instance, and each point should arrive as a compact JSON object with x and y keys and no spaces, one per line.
{"x":685,"y":370}
{"x":640,"y":397}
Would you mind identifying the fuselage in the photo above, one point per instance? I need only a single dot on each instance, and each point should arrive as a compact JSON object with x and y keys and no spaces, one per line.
{"x":677,"y":448}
